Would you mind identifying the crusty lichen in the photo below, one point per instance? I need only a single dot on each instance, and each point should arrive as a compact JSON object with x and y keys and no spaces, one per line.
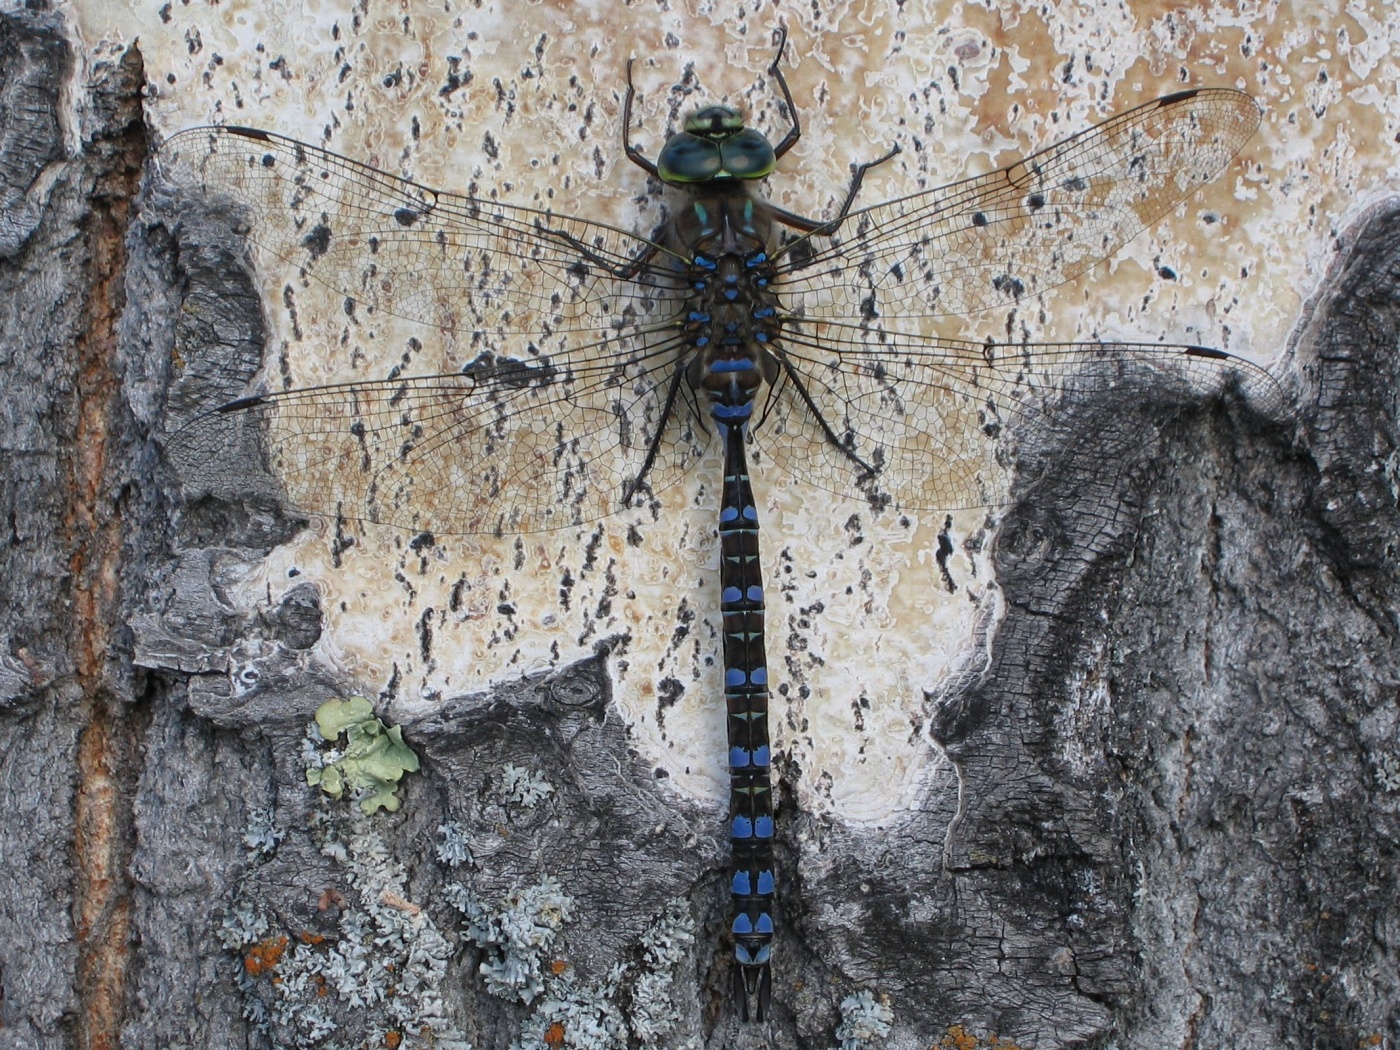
{"x":865,"y":1021}
{"x":373,"y":978}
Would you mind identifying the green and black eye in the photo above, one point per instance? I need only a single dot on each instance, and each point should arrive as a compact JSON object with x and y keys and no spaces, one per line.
{"x":715,"y":145}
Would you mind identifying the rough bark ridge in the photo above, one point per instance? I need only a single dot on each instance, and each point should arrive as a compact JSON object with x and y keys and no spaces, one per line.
{"x":1178,"y":776}
{"x":70,"y":691}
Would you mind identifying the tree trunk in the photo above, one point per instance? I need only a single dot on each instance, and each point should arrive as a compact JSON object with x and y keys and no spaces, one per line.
{"x":1167,"y":815}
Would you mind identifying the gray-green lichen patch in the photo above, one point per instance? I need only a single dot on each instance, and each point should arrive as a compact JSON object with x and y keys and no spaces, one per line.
{"x":523,"y":787}
{"x":519,"y":936}
{"x":865,"y":1021}
{"x":372,"y":976}
{"x":370,"y":764}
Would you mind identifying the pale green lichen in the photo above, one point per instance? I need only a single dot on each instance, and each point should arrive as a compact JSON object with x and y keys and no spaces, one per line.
{"x":865,"y":1021}
{"x":372,"y":761}
{"x":453,"y":850}
{"x":1387,"y":767}
{"x":576,"y":1017}
{"x":655,"y":1007}
{"x":261,"y":835}
{"x":516,"y":934}
{"x":523,"y":787}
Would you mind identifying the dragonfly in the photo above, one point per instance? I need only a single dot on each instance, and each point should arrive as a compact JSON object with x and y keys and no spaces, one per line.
{"x":600,"y":364}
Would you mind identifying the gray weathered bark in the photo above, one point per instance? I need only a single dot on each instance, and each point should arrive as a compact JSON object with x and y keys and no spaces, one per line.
{"x":1179,"y":774}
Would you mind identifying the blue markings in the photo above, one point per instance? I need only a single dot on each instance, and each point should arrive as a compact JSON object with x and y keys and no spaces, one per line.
{"x":763,"y":828}
{"x":741,"y":828}
{"x":745,"y":926}
{"x":733,"y":676}
{"x":765,"y":881}
{"x":742,"y":365}
{"x":744,"y":957}
{"x":699,"y":316}
{"x":759,"y":676}
{"x":742,"y":886}
{"x":704,"y":340}
{"x":704,"y":263}
{"x":730,"y":595}
{"x":731,"y":294}
{"x":723,"y":412}
{"x":761,"y":337}
{"x":755,"y":595}
{"x":701,"y":212}
{"x":729,"y":514}
{"x":767,"y":311}
{"x":743,"y":758}
{"x":756,"y":260}
{"x":749,"y":512}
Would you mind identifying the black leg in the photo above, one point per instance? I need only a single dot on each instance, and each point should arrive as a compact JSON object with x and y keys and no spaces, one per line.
{"x":795,"y":132}
{"x":633,"y":153}
{"x":830,"y":226}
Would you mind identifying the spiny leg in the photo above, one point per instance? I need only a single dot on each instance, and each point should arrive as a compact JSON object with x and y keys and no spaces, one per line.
{"x":826,"y":228}
{"x":633,"y":153}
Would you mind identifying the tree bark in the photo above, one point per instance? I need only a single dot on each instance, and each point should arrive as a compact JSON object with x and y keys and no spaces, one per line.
{"x":1169,"y":815}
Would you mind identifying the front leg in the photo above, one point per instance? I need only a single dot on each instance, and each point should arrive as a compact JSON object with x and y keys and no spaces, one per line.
{"x":826,"y":229}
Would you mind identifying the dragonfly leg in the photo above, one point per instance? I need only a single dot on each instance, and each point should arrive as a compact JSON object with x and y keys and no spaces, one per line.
{"x":636,"y":484}
{"x":827,"y":227}
{"x":610,"y":266}
{"x":633,"y":153}
{"x":866,"y":469}
{"x":795,"y":132}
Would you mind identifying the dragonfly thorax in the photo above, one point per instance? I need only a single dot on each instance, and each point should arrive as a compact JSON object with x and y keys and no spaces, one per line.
{"x":732,"y":316}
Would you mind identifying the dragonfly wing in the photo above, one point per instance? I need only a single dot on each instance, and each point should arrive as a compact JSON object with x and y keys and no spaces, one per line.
{"x":921,"y":422}
{"x":571,"y":396}
{"x":991,"y":240}
{"x":502,"y":447}
{"x":873,"y":400}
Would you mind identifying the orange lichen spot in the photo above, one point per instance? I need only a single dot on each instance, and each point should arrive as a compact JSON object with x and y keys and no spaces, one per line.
{"x":330,"y":898}
{"x":959,"y":1038}
{"x":558,"y":966}
{"x":393,"y":1040}
{"x":307,"y":937}
{"x":1371,"y":1040}
{"x":264,"y":956}
{"x":554,"y":1034}
{"x":393,"y":900}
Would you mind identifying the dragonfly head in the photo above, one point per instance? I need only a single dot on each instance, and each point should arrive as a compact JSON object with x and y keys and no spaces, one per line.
{"x":715,"y":145}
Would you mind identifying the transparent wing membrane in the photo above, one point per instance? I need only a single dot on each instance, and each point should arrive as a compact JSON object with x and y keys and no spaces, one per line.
{"x":577,"y":393}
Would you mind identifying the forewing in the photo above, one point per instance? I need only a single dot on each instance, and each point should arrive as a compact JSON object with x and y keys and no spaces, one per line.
{"x":555,"y":419}
{"x":873,"y":400}
{"x":991,"y":240}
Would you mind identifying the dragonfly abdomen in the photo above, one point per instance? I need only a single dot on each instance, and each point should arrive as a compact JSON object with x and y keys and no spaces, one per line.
{"x":746,"y":700}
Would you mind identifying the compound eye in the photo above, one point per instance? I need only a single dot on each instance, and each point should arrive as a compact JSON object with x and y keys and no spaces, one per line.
{"x":747,"y":155}
{"x":688,"y":158}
